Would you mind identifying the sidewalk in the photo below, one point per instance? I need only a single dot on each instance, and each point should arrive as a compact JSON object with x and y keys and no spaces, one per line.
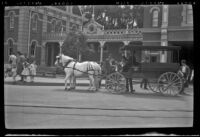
{"x":59,"y":81}
{"x":49,"y":81}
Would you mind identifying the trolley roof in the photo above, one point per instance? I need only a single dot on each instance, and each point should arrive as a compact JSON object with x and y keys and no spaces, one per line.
{"x":141,"y":47}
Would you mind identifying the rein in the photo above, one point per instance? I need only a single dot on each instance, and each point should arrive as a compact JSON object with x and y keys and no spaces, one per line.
{"x":88,"y":68}
{"x":81,"y":71}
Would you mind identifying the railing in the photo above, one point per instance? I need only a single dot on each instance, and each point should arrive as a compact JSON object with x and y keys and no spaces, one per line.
{"x":54,"y":36}
{"x":122,"y":31}
{"x":134,"y":34}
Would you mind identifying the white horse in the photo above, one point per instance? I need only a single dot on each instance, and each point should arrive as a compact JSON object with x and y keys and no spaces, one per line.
{"x":74,"y":69}
{"x":97,"y":74}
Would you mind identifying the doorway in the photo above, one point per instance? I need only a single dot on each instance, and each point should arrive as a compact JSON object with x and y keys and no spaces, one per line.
{"x":52,"y":50}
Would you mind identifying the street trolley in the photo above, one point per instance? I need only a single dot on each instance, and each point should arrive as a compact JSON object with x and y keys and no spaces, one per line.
{"x":157,"y":64}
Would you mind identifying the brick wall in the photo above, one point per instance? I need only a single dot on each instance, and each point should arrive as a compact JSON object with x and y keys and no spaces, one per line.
{"x":175,"y":15}
{"x":23,"y":31}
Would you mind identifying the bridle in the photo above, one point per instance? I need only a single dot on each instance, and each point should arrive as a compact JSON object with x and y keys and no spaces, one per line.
{"x":66,"y":64}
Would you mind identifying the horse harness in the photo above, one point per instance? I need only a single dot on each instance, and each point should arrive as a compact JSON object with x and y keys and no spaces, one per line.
{"x":89,"y":66}
{"x":67,"y":63}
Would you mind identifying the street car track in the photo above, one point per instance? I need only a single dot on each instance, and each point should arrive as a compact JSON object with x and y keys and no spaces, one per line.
{"x":90,"y":108}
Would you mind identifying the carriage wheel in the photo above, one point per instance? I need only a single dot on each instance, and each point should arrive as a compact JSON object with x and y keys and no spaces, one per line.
{"x":153,"y":85}
{"x":170,"y":83}
{"x":115,"y":83}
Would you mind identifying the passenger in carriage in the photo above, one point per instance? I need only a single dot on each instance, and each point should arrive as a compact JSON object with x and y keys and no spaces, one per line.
{"x":109,"y":64}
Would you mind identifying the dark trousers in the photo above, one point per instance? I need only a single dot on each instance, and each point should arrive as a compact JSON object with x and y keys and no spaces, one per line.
{"x":144,"y":83}
{"x":129,"y":84}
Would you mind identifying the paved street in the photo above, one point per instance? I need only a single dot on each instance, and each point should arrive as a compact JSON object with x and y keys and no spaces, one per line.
{"x":49,"y":106}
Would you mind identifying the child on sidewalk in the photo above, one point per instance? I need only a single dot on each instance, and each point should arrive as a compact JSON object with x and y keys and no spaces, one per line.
{"x":32,"y":68}
{"x":25,"y":71}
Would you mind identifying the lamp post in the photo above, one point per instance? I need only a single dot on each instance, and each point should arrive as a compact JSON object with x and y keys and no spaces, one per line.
{"x":29,"y":33}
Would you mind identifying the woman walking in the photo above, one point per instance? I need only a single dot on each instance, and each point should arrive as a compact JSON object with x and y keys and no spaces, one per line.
{"x":32,"y":68}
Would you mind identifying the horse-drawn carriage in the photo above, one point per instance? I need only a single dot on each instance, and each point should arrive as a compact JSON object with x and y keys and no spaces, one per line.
{"x":161,"y":77}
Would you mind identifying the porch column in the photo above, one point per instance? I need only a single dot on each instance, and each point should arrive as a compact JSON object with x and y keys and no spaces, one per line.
{"x":101,"y":52}
{"x":126,"y":43}
{"x":60,"y":45}
{"x":43,"y":54}
{"x":164,"y":40}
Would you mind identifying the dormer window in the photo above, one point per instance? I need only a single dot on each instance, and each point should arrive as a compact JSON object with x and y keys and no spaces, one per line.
{"x":91,"y":28}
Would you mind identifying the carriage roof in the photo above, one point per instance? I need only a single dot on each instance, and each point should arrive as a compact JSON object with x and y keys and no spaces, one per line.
{"x":140,"y":47}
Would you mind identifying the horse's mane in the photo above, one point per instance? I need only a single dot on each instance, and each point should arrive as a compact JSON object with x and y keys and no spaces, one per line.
{"x":68,"y":57}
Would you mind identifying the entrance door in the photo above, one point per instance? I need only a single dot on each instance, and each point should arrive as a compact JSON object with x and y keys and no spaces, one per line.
{"x":52,"y":51}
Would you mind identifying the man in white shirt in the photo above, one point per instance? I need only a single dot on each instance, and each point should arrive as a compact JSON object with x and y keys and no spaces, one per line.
{"x":13,"y":62}
{"x":185,"y":71}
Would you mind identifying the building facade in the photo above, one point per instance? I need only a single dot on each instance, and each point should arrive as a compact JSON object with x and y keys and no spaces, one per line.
{"x":40,"y":31}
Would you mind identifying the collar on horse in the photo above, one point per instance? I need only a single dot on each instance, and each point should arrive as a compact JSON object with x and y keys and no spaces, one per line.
{"x":67,"y":63}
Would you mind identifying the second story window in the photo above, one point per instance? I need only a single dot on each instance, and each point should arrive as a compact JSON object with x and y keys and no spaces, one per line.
{"x":155,"y":18}
{"x":189,"y":15}
{"x":34,"y":22}
{"x":11,"y":16}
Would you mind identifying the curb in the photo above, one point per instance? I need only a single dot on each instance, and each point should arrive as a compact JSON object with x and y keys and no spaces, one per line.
{"x":43,"y":84}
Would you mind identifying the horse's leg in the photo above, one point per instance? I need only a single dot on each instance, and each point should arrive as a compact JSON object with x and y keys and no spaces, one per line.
{"x":66,"y":78}
{"x":73,"y":82}
{"x":70,"y":82}
{"x":92,"y":81}
{"x":96,"y":78}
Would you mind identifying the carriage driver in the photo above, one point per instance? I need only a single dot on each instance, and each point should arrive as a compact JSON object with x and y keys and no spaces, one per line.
{"x":129,"y":61}
{"x":184,"y":70}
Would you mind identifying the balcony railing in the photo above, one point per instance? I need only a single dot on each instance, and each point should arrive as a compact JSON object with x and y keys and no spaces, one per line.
{"x":118,"y":35}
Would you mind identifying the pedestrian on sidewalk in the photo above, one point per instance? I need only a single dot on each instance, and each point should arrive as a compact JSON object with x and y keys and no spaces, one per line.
{"x":20,"y":60}
{"x":25,"y":72}
{"x":32,"y":68}
{"x":13,"y":62}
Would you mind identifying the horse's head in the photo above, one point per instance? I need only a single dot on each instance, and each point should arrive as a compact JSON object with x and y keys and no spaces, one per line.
{"x":58,"y":61}
{"x":62,"y":59}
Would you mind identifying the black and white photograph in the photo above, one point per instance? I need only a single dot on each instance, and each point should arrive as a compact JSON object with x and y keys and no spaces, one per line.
{"x":98,"y":66}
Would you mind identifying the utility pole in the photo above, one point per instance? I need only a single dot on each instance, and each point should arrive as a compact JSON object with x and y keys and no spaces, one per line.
{"x":29,"y":33}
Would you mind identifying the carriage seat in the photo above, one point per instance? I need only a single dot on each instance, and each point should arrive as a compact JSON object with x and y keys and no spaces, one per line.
{"x":136,"y":67}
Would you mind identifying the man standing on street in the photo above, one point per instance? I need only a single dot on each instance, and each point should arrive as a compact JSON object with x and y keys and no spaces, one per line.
{"x":130,"y":60}
{"x":185,"y":72}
